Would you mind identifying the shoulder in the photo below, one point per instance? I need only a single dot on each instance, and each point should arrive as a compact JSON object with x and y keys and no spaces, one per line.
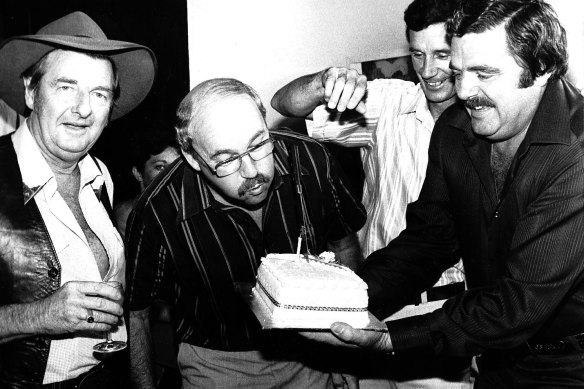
{"x":164,"y":188}
{"x":454,"y":117}
{"x":392,"y":84}
{"x":285,"y":139}
{"x":394,"y":87}
{"x":123,"y":209}
{"x":394,"y":95}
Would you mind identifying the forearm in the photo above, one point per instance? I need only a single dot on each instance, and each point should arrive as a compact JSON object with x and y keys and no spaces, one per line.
{"x":18,"y":321}
{"x":141,"y":358}
{"x":347,"y":251}
{"x":301,"y":96}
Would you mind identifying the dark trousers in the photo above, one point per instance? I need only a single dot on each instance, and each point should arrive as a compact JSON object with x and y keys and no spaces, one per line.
{"x":528,"y":370}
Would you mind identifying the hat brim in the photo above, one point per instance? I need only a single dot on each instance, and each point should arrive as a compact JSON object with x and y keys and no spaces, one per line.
{"x":136,"y":66}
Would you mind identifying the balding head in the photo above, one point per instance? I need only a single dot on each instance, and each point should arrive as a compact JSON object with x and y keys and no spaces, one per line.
{"x":191,"y":113}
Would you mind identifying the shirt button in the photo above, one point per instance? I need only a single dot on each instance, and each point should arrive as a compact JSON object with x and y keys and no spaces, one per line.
{"x":497,"y":215}
{"x":53,"y":272}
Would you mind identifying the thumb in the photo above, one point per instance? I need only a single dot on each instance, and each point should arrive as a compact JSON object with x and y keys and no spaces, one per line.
{"x":344,"y":332}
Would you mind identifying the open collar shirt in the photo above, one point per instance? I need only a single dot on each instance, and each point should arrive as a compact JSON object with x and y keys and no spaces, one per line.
{"x":186,"y":247}
{"x":70,"y":356}
{"x":394,"y":135}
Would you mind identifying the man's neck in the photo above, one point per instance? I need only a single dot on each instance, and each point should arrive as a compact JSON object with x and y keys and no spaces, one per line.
{"x":436,"y":109}
{"x":256,"y":212}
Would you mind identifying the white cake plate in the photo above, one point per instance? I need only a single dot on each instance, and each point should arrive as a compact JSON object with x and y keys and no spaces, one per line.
{"x":263,"y":315}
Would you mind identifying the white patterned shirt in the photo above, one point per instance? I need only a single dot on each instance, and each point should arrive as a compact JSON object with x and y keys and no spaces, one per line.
{"x":71,"y":356}
{"x":394,"y":135}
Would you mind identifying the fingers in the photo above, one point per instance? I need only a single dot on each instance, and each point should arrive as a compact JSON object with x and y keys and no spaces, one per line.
{"x":90,"y":318}
{"x":352,"y":381}
{"x":342,"y":380}
{"x":99,"y":304}
{"x":338,"y":381}
{"x":108,"y":290}
{"x":98,"y":300}
{"x":362,"y":338}
{"x":98,"y":317}
{"x":344,"y":89}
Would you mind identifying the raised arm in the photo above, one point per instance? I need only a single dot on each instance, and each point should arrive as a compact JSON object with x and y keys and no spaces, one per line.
{"x":339,"y":88}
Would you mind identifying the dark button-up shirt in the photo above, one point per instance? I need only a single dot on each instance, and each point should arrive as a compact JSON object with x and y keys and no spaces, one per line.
{"x":523,"y":253}
{"x":189,"y":249}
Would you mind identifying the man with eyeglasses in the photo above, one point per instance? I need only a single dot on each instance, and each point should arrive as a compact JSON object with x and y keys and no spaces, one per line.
{"x":240,"y":192}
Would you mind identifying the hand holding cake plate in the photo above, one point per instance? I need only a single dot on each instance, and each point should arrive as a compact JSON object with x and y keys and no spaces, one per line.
{"x":344,"y":335}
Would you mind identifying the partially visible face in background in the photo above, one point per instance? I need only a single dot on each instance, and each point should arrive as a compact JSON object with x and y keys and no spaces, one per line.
{"x":154,"y":165}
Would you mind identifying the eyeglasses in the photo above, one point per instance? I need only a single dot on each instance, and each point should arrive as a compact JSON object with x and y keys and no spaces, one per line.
{"x":231,"y":165}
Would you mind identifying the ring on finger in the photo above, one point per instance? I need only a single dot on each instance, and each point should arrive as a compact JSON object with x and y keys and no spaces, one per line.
{"x":90,"y":319}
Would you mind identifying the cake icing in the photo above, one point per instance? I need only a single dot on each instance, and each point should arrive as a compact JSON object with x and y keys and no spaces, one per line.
{"x":308,"y":292}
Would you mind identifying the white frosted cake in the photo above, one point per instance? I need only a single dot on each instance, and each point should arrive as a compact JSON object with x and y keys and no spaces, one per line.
{"x":310,"y":293}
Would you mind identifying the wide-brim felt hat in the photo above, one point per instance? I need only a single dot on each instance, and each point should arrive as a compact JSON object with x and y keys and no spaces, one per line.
{"x":136,"y":64}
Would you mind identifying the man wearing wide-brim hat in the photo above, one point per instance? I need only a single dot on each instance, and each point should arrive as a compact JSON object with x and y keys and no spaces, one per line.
{"x":59,"y":251}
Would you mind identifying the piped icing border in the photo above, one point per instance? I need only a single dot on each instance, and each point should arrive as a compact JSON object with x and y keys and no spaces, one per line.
{"x":307,"y":307}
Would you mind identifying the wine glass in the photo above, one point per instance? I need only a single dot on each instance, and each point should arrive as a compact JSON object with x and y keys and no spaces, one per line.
{"x":110,"y":346}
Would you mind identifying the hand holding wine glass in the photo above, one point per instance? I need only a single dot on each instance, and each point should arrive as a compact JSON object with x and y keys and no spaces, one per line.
{"x":110,"y":345}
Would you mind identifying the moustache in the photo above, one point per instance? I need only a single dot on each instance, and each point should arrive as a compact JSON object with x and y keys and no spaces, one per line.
{"x":474,"y":102}
{"x":252,"y":182}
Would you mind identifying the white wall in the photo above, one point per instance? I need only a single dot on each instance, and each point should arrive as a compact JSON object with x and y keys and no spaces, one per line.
{"x":267,"y":43}
{"x":571,"y":14}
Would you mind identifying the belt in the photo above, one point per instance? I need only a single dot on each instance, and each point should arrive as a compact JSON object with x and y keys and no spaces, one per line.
{"x":566,"y":345}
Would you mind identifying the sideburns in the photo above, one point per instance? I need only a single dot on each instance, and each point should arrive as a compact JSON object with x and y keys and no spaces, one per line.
{"x":525,"y":79}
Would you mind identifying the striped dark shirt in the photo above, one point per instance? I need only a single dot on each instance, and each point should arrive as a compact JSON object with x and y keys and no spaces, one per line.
{"x":187,"y":248}
{"x":523,"y":250}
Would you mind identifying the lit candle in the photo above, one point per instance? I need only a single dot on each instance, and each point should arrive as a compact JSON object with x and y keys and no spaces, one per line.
{"x":298,"y":247}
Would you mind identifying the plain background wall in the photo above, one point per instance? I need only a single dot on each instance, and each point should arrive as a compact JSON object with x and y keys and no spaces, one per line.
{"x":571,"y":14}
{"x":267,"y":43}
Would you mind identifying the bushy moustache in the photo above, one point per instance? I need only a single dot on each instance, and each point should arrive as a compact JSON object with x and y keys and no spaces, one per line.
{"x":252,"y":182}
{"x":474,"y":102}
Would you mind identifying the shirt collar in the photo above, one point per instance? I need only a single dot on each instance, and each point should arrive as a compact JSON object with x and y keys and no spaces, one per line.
{"x":196,"y":196}
{"x":418,"y":105}
{"x":551,"y":122}
{"x":35,"y":170}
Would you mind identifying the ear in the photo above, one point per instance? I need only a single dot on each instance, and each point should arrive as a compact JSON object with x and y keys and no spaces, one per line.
{"x":191,"y":161}
{"x":137,"y":175}
{"x":28,"y":93}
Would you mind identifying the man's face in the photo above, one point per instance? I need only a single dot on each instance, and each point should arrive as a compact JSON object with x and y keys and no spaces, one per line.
{"x":487,"y":80}
{"x":431,"y":60}
{"x":154,"y":165}
{"x":71,"y":105}
{"x":230,"y":127}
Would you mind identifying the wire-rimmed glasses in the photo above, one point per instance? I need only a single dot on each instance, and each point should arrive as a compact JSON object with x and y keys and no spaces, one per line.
{"x":231,"y":165}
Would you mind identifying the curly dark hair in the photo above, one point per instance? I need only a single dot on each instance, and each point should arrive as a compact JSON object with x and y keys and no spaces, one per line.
{"x":423,"y":13}
{"x":535,"y":37}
